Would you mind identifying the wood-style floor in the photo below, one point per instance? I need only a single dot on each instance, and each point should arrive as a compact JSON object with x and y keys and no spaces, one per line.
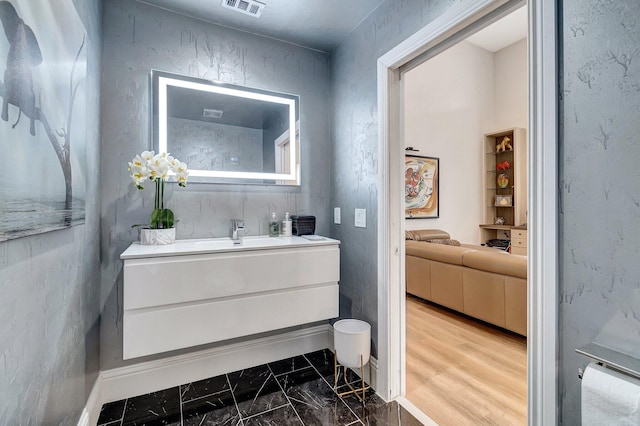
{"x":464,"y":372}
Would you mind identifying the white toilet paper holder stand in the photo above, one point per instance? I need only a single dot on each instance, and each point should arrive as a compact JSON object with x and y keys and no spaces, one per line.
{"x":611,"y":358}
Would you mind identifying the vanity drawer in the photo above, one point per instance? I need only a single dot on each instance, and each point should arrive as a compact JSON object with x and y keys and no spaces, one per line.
{"x":152,"y":331}
{"x":160,"y":281}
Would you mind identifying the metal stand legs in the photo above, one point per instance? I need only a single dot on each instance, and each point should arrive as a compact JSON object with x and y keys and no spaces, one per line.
{"x":359,"y":392}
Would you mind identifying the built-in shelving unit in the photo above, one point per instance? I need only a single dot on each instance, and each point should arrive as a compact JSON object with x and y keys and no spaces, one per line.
{"x":508,"y":201}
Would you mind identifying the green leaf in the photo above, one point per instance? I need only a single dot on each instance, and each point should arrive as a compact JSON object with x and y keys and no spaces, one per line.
{"x":167,"y":218}
{"x":162,"y":218}
{"x":155,"y":218}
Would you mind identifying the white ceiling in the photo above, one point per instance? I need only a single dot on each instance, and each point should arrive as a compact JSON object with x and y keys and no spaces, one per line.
{"x":318,"y":24}
{"x":503,"y":32}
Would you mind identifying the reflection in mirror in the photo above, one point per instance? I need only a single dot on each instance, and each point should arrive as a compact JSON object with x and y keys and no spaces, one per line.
{"x":227,"y":133}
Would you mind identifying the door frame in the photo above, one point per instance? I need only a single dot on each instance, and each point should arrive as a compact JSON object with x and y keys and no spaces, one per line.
{"x":542,"y":294}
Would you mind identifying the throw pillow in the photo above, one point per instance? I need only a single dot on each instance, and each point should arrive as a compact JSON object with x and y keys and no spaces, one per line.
{"x":446,"y":242}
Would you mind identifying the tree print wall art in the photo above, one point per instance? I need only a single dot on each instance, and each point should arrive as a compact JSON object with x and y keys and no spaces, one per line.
{"x":42,"y":117}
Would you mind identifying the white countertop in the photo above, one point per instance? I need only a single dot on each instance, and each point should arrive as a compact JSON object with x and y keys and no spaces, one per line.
{"x":220,"y":245}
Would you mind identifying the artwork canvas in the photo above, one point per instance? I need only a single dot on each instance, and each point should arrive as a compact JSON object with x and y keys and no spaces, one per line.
{"x":42,"y":117}
{"x":421,"y":187}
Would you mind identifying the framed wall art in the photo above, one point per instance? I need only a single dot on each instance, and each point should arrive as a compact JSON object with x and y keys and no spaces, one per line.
{"x":421,"y":190}
{"x":43,"y":64}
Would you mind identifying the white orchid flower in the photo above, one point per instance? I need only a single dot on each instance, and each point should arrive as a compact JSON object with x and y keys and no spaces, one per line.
{"x":136,"y":162}
{"x":139,"y":175}
{"x":158,"y":168}
{"x":179,"y":168}
{"x":182,"y":179}
{"x":147,"y":155}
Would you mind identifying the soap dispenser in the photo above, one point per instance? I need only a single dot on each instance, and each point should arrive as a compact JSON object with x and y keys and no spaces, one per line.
{"x":274,"y":226}
{"x":286,"y":225}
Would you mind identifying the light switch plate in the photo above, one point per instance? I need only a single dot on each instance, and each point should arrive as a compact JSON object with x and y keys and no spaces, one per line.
{"x":336,"y":215}
{"x":361,"y":218}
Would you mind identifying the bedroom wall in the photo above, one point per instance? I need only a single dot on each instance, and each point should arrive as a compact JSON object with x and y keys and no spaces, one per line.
{"x":138,"y":38}
{"x":465,"y":84}
{"x":448,"y":106}
{"x":511,"y":83}
{"x":49,"y":309}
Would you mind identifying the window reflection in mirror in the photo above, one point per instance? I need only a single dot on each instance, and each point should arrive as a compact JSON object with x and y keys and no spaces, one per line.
{"x":227,"y":133}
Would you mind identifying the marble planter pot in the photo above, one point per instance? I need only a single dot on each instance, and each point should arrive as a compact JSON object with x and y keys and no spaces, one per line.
{"x":157,"y":237}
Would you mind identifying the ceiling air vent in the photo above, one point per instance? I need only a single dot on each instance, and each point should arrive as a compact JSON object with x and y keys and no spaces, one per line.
{"x":212,"y":113}
{"x":248,"y":7}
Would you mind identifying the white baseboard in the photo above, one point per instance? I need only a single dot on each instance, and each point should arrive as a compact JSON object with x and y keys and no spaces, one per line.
{"x":415,"y":411}
{"x":91,"y":411}
{"x":145,"y":377}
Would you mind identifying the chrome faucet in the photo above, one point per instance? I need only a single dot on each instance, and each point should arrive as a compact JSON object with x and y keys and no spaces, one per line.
{"x":237,"y":225}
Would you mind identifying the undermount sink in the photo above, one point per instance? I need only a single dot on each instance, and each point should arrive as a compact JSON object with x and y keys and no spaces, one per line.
{"x":245,"y":242}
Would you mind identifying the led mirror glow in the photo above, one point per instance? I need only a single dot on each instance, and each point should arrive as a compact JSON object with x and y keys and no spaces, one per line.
{"x":176,"y":99}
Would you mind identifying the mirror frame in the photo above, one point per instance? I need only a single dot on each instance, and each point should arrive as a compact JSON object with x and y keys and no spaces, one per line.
{"x":161,"y":80}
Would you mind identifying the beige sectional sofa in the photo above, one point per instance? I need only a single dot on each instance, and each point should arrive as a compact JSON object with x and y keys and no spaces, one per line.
{"x":484,"y":283}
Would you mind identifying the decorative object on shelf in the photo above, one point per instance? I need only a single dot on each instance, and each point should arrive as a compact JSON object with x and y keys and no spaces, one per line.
{"x":157,"y":168}
{"x":504,"y":145}
{"x":498,"y":220}
{"x":503,"y":165}
{"x":503,"y":201}
{"x":502,"y":180}
{"x":421,"y":187}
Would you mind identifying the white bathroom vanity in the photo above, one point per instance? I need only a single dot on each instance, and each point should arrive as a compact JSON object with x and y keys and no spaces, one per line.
{"x":196,"y":292}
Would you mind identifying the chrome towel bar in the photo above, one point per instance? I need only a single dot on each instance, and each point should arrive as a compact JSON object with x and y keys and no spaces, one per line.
{"x":611,"y":358}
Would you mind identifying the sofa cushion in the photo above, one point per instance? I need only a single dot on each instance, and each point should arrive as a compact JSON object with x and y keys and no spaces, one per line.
{"x":498,"y":261}
{"x":426,"y":234}
{"x":437,"y":252}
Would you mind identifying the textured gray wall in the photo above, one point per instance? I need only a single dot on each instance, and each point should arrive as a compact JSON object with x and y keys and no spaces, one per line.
{"x":138,"y":38}
{"x":49,"y":309}
{"x":600,"y":183}
{"x":354,"y":165}
{"x":600,"y":186}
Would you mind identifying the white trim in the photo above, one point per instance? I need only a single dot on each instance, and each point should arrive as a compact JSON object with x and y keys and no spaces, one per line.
{"x":150,"y":376}
{"x":543,"y":286}
{"x":416,"y":412}
{"x":91,"y":410}
{"x":145,"y":377}
{"x":142,"y":378}
{"x":543,"y":214}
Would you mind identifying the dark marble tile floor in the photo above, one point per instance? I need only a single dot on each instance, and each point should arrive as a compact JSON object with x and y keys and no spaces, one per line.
{"x":294,"y":391}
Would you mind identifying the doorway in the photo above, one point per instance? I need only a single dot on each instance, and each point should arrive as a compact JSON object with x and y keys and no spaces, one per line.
{"x":436,"y":37}
{"x":459,"y":369}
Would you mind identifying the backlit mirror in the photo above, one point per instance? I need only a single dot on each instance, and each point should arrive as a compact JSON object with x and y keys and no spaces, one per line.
{"x":227,"y":133}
